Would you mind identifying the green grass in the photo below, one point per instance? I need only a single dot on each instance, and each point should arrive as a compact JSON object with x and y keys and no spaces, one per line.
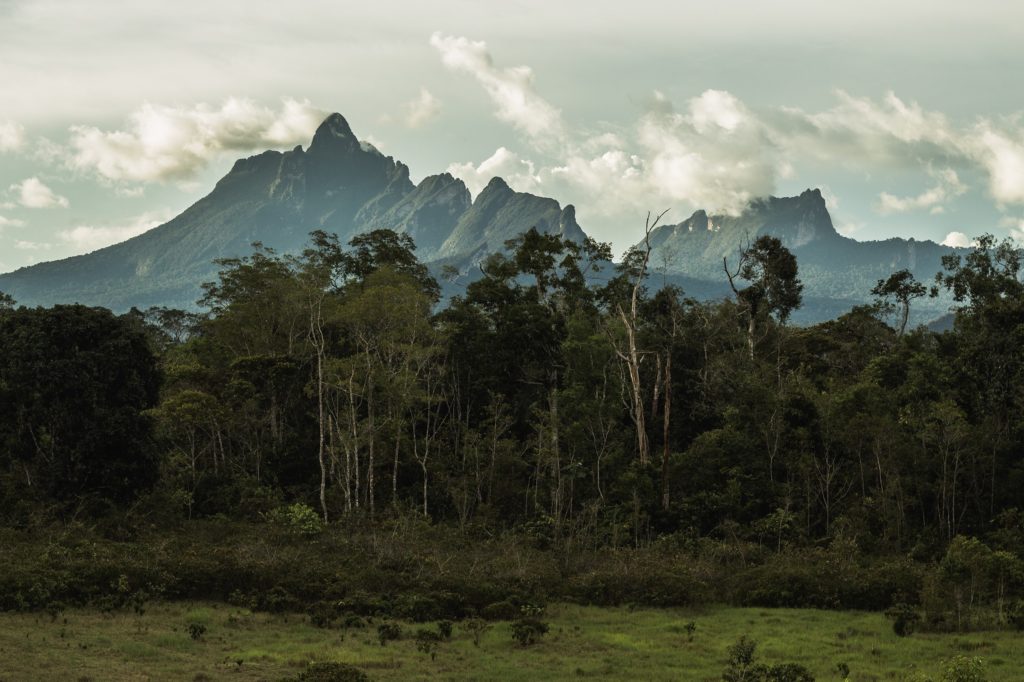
{"x":584,"y":643}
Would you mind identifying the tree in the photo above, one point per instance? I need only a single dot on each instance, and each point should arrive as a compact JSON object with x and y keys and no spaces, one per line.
{"x":774,"y":290}
{"x":634,"y":271}
{"x":7,"y":301}
{"x":899,"y":289}
{"x":75,"y":383}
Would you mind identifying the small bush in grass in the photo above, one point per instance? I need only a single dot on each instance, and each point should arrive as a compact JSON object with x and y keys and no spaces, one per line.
{"x":352,"y":620}
{"x":388,"y":632}
{"x":196,"y":631}
{"x":528,"y":631}
{"x":428,"y":642}
{"x":904,"y":619}
{"x":476,"y":627}
{"x":332,"y":672}
{"x":742,"y":666}
{"x":963,"y":669}
{"x":300,"y":518}
{"x":690,"y":629}
{"x":444,"y":629}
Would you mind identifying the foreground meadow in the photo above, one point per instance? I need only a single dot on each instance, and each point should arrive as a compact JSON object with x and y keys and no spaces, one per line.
{"x":584,"y":642}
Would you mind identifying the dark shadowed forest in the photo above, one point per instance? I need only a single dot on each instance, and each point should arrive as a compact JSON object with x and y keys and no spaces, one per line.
{"x":329,"y":435}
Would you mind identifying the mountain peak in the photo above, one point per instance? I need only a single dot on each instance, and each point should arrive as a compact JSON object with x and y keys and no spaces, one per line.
{"x":496,"y":183}
{"x":334,"y":133}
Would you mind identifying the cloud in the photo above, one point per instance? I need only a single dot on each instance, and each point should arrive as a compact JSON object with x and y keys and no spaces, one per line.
{"x":1001,"y":153}
{"x":715,"y":155}
{"x":520,"y":174}
{"x":86,"y":238}
{"x":421,"y":110}
{"x":10,"y":222}
{"x":32,"y":193}
{"x":958,"y":240}
{"x":949,"y":186}
{"x":173,"y":144}
{"x":510,"y":89}
{"x":25,"y":245}
{"x":12,"y":136}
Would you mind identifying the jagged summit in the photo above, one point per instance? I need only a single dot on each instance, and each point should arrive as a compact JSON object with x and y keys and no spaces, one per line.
{"x":338,"y":183}
{"x":334,"y":133}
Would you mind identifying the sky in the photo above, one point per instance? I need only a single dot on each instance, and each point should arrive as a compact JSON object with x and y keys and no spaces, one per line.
{"x":117,"y":115}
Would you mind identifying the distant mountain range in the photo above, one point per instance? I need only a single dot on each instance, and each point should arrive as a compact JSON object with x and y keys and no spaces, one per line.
{"x":340,"y":184}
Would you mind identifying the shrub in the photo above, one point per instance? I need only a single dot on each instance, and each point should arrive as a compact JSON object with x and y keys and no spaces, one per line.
{"x":690,"y":628}
{"x":332,"y":672}
{"x":528,"y":631}
{"x":388,"y":632}
{"x":196,"y":631}
{"x":904,"y":619}
{"x":444,"y":629}
{"x":963,"y":669}
{"x":428,"y":642}
{"x":788,"y":672}
{"x":476,"y":627}
{"x":740,"y":665}
{"x":300,"y":518}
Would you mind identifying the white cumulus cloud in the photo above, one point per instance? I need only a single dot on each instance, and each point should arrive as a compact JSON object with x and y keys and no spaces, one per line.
{"x":10,"y":222}
{"x":520,"y":174}
{"x":420,"y":110}
{"x":933,"y":199}
{"x":12,"y":136}
{"x":958,"y":240}
{"x":32,"y":193}
{"x":510,"y":89}
{"x":165,"y":143}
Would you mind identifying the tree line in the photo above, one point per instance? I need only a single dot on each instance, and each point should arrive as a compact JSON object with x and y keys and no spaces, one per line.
{"x":556,"y":392}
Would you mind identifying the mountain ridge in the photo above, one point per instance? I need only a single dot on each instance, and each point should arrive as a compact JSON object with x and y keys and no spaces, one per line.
{"x":344,"y":185}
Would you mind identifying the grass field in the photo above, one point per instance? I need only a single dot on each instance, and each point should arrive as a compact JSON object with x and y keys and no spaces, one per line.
{"x":584,"y":642}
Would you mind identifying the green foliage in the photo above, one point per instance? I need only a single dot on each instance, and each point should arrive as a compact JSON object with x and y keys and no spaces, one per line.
{"x":196,"y":631}
{"x":428,"y":642}
{"x":388,"y":632}
{"x":476,"y":627}
{"x":300,"y":518}
{"x":963,"y":669}
{"x":528,"y":630}
{"x":904,"y":619}
{"x":330,"y":671}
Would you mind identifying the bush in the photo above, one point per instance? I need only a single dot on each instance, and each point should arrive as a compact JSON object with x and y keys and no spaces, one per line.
{"x":963,"y":669}
{"x":388,"y":632}
{"x":298,"y":517}
{"x":476,"y":627}
{"x":196,"y":631}
{"x":528,"y":631}
{"x":904,"y":619}
{"x":332,"y":672}
{"x":444,"y":629}
{"x":428,"y":642}
{"x":690,"y":628}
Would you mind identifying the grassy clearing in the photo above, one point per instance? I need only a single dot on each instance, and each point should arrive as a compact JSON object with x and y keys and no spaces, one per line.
{"x":584,"y":642}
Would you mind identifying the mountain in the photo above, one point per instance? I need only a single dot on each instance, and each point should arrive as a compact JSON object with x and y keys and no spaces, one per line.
{"x":339,"y":184}
{"x":838,"y":272}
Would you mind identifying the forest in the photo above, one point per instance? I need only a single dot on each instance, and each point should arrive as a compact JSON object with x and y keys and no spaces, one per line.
{"x":564,"y":428}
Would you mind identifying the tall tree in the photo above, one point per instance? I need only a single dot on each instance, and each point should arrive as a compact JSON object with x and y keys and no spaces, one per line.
{"x":774,"y":289}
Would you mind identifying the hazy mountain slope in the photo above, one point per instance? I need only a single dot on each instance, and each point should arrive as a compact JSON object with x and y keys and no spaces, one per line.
{"x":339,"y":184}
{"x":837,"y":272}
